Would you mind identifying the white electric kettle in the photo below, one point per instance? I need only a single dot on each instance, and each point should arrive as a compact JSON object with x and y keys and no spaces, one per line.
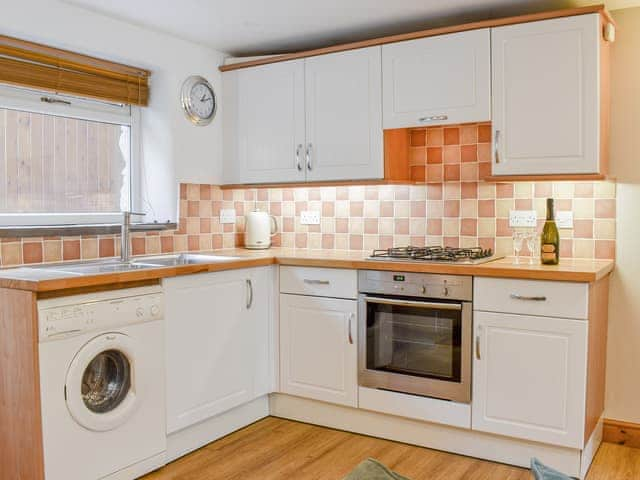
{"x":259,"y":228}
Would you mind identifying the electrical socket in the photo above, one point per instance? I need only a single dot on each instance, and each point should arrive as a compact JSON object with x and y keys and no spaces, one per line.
{"x":523,"y":218}
{"x":227,"y":215}
{"x":564,"y":219}
{"x":310,"y":217}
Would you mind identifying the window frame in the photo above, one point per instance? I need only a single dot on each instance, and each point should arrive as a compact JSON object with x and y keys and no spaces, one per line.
{"x":28,"y":100}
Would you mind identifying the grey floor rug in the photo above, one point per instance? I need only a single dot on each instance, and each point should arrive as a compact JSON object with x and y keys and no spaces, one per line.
{"x":371,"y":469}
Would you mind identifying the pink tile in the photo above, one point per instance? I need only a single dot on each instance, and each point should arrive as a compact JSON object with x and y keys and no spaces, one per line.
{"x":401,"y":226}
{"x":487,"y":242}
{"x":356,"y":208}
{"x":484,"y":152}
{"x":502,"y":227}
{"x":385,"y":241}
{"x":605,"y":208}
{"x":216,"y":240}
{"x":300,"y":207}
{"x":328,"y":241}
{"x":418,"y":137}
{"x":32,"y":252}
{"x":435,"y":136}
{"x":275,"y":208}
{"x":434,"y":191}
{"x":249,"y":195}
{"x":166,"y":244}
{"x":342,"y":193}
{"x":106,"y":248}
{"x":301,"y":240}
{"x":342,"y":225}
{"x":371,"y":193}
{"x":582,"y":228}
{"x":205,"y":225}
{"x":386,"y":209}
{"x":484,"y":170}
{"x":484,"y":133}
{"x":371,"y":225}
{"x":419,"y":209}
{"x":469,"y":227}
{"x":469,"y":153}
{"x":605,"y":249}
{"x":313,"y":194}
{"x":434,"y":155}
{"x":328,"y":209}
{"x":486,"y":208}
{"x":452,"y":173}
{"x":504,"y":190}
{"x":453,"y":242}
{"x":524,"y":204}
{"x":288,"y":224}
{"x":566,"y":248}
{"x":583,"y":190}
{"x":563,"y":204}
{"x":452,"y":208}
{"x":193,"y":208}
{"x":434,"y":226}
{"x":263,"y":194}
{"x":138,"y":246}
{"x":227,"y":195}
{"x":239,"y":208}
{"x":193,"y":243}
{"x":216,"y":206}
{"x":468,"y":190}
{"x":543,"y":190}
{"x":205,"y":192}
{"x":355,"y":242}
{"x":469,"y":172}
{"x":402,"y":192}
{"x":183,"y":191}
{"x":468,"y":134}
{"x":287,"y":195}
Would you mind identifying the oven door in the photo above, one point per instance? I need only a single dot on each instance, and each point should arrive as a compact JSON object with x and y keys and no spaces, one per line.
{"x":412,"y":346}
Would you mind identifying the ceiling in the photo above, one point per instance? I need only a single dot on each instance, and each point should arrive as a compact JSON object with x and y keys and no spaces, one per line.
{"x":255,"y":27}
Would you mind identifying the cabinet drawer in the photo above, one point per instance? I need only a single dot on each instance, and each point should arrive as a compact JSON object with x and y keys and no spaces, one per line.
{"x":321,"y":282}
{"x":531,"y":297}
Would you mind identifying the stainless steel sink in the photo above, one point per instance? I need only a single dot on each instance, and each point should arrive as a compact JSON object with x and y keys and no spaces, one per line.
{"x":98,"y":267}
{"x":182,"y":259}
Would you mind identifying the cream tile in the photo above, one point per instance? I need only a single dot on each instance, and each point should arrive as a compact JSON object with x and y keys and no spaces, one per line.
{"x":275,"y":194}
{"x":356,"y":192}
{"x":152,"y":244}
{"x":314,"y":205}
{"x":385,"y":226}
{"x":370,"y":242}
{"x":342,"y":241}
{"x":583,"y":208}
{"x":300,"y":194}
{"x":523,"y":190}
{"x":540,"y":206}
{"x":451,"y":190}
{"x":604,"y":189}
{"x":371,"y":208}
{"x":435,"y":209}
{"x":342,"y":208}
{"x":288,"y":240}
{"x":468,"y":242}
{"x":451,"y":227}
{"x":288,"y":209}
{"x":486,"y":191}
{"x":469,"y":208}
{"x":401,"y":240}
{"x":417,"y":226}
{"x":205,"y":243}
{"x":402,"y":208}
{"x":486,"y":227}
{"x":328,"y":194}
{"x":315,"y":240}
{"x":504,"y":206}
{"x":238,"y":195}
{"x":356,"y":225}
{"x":418,"y":192}
{"x":328,"y":225}
{"x":604,"y":229}
{"x":386,"y":192}
{"x":583,"y":248}
{"x":434,"y":240}
{"x":563,"y":189}
{"x":504,"y":246}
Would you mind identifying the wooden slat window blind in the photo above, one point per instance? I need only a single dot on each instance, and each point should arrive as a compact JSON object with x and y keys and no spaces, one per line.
{"x":37,"y":66}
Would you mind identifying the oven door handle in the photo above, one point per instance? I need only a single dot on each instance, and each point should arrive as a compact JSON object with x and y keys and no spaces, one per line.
{"x":412,"y":303}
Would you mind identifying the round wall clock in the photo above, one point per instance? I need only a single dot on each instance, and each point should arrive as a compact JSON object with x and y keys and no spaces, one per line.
{"x":198,"y":100}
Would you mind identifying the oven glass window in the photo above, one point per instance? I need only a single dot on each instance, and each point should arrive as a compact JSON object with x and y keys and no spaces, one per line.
{"x":424,"y":342}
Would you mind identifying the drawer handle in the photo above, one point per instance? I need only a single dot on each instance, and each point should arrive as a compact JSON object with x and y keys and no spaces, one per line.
{"x":316,"y":282}
{"x":350,"y":336}
{"x":496,"y":146}
{"x":433,"y":118}
{"x":478,"y":347}
{"x":249,"y":293}
{"x":515,"y":296}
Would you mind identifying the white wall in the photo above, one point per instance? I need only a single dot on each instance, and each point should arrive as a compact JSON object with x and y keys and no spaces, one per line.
{"x":174,"y":149}
{"x":623,"y":362}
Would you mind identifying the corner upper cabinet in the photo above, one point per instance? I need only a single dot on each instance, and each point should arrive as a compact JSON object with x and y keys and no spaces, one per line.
{"x":264,"y":123}
{"x":437,"y":80}
{"x":550,"y":96}
{"x":314,"y":119}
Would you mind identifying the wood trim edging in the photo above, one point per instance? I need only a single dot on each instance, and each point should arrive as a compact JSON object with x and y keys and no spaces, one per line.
{"x":621,"y":433}
{"x":498,"y":22}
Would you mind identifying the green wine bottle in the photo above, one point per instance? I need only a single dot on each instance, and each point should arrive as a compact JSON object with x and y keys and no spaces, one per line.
{"x":550,"y":240}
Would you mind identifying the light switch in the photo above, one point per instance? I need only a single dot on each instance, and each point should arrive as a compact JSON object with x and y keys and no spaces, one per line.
{"x":227,"y":215}
{"x":564,"y":219}
{"x":523,"y":218}
{"x":310,"y":217}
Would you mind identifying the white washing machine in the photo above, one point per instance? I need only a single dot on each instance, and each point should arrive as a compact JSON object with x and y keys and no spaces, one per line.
{"x":102,"y":384}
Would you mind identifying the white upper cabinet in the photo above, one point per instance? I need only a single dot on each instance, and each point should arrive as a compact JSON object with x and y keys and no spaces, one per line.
{"x":316,"y":119}
{"x":546,"y":97}
{"x":264,"y":133}
{"x":437,"y":80}
{"x":344,"y":115}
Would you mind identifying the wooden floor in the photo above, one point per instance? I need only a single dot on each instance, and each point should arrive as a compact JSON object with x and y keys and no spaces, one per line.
{"x":277,"y":449}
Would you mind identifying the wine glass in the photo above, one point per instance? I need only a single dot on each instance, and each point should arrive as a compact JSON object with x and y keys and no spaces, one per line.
{"x":532,"y":241}
{"x":517,"y":245}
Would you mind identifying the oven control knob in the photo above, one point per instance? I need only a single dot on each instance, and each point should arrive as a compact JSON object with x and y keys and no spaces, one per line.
{"x":155,"y":310}
{"x":445,"y":291}
{"x":424,"y":290}
{"x":139,"y":312}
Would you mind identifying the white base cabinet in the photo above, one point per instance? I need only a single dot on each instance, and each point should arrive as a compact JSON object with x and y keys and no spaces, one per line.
{"x":218,"y":342}
{"x":318,"y":348}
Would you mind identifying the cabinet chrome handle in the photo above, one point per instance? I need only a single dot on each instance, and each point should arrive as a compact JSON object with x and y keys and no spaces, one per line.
{"x":534,"y":298}
{"x":298,"y":164}
{"x":496,"y":146}
{"x":316,"y":282}
{"x":308,"y":155}
{"x":350,"y":337}
{"x":249,"y":293}
{"x":433,"y":118}
{"x":478,"y":347}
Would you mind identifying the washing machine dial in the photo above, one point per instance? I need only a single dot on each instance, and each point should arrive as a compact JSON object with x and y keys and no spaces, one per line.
{"x":139,"y":312}
{"x":155,"y":310}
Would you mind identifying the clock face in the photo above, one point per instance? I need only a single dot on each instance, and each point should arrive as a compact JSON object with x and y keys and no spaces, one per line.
{"x":198,"y":100}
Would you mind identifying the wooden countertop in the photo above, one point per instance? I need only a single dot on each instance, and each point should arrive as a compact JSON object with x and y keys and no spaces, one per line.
{"x":570,"y":270}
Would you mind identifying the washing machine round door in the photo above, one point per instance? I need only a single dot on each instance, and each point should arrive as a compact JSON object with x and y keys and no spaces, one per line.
{"x":100,"y":384}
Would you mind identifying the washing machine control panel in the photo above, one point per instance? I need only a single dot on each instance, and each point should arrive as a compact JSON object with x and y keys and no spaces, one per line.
{"x":67,"y":320}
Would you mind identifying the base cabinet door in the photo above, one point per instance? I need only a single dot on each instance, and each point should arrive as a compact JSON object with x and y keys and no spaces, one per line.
{"x":546,"y":97}
{"x":211,"y":345}
{"x":529,"y":377}
{"x":318,"y":348}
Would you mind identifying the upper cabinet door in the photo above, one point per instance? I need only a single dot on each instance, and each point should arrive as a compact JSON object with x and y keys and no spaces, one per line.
{"x":264,"y":117}
{"x":344,"y":116}
{"x":546,"y":96}
{"x":437,"y":80}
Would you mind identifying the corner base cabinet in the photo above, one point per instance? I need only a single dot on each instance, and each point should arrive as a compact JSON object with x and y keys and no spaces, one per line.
{"x":218,"y":348}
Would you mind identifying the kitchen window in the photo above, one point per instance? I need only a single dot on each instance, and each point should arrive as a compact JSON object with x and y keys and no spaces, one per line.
{"x":66,"y":160}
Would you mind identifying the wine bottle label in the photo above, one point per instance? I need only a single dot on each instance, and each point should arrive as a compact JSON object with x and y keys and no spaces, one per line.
{"x":548,"y":251}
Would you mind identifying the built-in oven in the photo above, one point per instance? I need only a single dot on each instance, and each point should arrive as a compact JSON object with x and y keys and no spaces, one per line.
{"x":415,"y":333}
